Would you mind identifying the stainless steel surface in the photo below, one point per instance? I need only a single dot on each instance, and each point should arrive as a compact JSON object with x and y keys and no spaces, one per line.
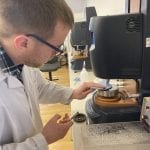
{"x":107,"y":83}
{"x":111,"y":136}
{"x":118,"y":133}
{"x":132,"y":95}
{"x":109,"y":93}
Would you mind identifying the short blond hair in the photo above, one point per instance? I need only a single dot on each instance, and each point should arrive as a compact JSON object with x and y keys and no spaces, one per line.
{"x":33,"y":16}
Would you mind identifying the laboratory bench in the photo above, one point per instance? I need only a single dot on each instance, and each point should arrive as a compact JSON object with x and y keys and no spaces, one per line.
{"x":104,"y":136}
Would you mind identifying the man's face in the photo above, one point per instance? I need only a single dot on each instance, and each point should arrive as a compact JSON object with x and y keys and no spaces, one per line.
{"x":40,"y":52}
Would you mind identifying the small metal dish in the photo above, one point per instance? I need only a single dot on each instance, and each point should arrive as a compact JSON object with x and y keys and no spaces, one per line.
{"x":79,"y":117}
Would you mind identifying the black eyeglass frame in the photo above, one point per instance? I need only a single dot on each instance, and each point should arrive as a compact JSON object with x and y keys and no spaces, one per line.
{"x":45,"y":42}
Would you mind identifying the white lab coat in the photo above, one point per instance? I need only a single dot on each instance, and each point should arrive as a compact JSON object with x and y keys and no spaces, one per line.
{"x":20,"y":121}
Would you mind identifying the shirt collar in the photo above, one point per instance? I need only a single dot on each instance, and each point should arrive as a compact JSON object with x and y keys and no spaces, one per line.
{"x":7,"y":65}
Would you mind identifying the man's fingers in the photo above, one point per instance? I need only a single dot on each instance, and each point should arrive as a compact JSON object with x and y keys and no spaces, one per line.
{"x":66,"y":122}
{"x":65,"y":119}
{"x":55,"y":118}
{"x":66,"y":116}
{"x":93,"y":84}
{"x":87,"y":92}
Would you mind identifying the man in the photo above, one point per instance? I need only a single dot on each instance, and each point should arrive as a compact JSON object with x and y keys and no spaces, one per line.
{"x":31,"y":32}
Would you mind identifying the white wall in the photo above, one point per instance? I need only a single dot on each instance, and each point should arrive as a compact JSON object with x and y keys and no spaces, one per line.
{"x":77,"y":7}
{"x":103,"y":7}
{"x":107,"y":7}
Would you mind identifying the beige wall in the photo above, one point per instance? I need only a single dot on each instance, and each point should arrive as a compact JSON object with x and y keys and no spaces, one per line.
{"x":108,"y":7}
{"x":77,"y":7}
{"x":103,"y":7}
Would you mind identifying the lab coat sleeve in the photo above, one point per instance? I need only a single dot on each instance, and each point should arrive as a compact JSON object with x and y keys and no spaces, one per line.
{"x":50,"y":92}
{"x":36,"y":142}
{"x":15,"y":137}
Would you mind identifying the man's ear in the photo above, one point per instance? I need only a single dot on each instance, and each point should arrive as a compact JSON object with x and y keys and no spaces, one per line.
{"x":21,"y":42}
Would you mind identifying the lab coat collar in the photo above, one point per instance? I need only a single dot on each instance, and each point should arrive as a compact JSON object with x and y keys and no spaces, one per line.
{"x":11,"y":81}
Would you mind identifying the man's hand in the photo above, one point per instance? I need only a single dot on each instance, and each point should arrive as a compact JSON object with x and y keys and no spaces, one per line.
{"x":56,"y":129}
{"x":84,"y":89}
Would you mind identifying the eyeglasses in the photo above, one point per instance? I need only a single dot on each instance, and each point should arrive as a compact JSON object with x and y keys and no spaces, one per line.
{"x":58,"y":49}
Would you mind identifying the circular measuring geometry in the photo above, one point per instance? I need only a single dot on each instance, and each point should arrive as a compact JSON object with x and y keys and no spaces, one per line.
{"x":112,"y":92}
